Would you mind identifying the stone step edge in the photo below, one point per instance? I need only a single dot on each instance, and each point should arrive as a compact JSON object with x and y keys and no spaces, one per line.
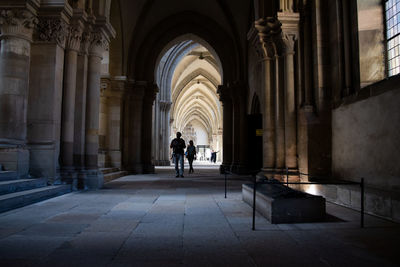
{"x":8,"y":175}
{"x":23,"y":198}
{"x":114,"y":175}
{"x":12,"y":186}
{"x":109,"y":170}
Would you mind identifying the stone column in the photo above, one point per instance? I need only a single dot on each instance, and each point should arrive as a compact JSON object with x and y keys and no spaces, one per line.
{"x":68,"y":102}
{"x":113,"y":138}
{"x":267,"y":28}
{"x":226,"y":100}
{"x":279,"y":114}
{"x":290,"y":104}
{"x":166,"y":135}
{"x":147,"y":115}
{"x":98,"y":43}
{"x":80,"y":107}
{"x":103,"y":122}
{"x":16,"y":27}
{"x":133,"y":107}
{"x":290,"y":25}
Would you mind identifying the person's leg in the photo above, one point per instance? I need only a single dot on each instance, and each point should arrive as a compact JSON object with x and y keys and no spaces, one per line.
{"x":190,"y":159}
{"x":181,"y":163}
{"x":176,"y":157}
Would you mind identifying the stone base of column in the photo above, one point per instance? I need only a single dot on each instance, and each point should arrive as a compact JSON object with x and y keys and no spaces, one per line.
{"x":43,"y":162}
{"x":69,"y":176}
{"x":91,"y":179}
{"x":162,"y":163}
{"x":148,"y":168}
{"x":15,"y":158}
{"x":266,"y":173}
{"x":134,"y":168}
{"x":238,"y":168}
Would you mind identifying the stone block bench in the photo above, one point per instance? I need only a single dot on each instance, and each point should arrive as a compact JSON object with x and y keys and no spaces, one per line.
{"x":281,"y":204}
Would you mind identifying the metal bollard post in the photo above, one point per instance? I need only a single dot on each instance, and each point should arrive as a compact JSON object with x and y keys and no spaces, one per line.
{"x":254,"y":203}
{"x":225,"y":184}
{"x":362,"y":203}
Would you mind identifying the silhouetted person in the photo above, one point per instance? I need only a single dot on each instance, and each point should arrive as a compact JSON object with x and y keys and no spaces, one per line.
{"x":214,"y":156}
{"x":191,"y":154}
{"x":178,"y":145}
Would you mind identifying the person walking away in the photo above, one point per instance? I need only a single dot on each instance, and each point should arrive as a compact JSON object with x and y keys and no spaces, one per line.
{"x":191,"y":155}
{"x":178,"y":145}
{"x":214,"y":156}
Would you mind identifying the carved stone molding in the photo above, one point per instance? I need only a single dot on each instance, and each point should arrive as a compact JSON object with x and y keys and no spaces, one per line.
{"x":269,"y":30}
{"x":74,"y":38}
{"x":289,"y":40}
{"x":85,"y":42}
{"x":98,"y":43}
{"x":165,"y":105}
{"x":51,"y":30}
{"x":17,"y":23}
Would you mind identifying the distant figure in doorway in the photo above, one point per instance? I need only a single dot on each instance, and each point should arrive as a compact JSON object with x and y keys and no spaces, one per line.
{"x":178,"y":145}
{"x":191,"y":155}
{"x":214,"y":156}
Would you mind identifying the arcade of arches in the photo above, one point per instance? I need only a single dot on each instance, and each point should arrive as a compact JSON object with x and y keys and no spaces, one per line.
{"x":271,"y":85}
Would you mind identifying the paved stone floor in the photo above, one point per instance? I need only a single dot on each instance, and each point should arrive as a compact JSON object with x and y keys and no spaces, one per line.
{"x":160,"y":220}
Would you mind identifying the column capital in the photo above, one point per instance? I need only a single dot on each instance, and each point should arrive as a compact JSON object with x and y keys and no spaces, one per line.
{"x":75,"y":32}
{"x":17,"y":23}
{"x":51,"y":30}
{"x":268,"y":29}
{"x":98,"y":42}
{"x":100,"y":37}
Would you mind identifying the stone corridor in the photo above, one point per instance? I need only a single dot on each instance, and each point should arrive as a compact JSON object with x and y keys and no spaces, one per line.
{"x":160,"y":220}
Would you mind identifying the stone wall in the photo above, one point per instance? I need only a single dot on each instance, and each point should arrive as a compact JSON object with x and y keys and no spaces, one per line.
{"x":366,"y":143}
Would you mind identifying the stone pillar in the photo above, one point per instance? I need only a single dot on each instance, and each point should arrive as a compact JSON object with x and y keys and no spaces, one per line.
{"x":45,"y":96}
{"x":133,"y":106}
{"x":166,"y":135}
{"x":16,"y":27}
{"x":289,"y":33}
{"x":226,"y":100}
{"x":103,"y":123}
{"x":68,"y":102}
{"x":279,"y":114}
{"x":147,"y":115}
{"x":113,"y":138}
{"x":80,"y":108}
{"x":98,"y":44}
{"x":266,"y":29}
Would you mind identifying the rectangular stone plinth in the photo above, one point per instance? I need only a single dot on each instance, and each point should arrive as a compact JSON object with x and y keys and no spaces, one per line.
{"x":280,"y":204}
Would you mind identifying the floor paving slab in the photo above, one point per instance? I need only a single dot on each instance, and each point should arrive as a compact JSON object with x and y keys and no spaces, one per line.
{"x":158,"y":220}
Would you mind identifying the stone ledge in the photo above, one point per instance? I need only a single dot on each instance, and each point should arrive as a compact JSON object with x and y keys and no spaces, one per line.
{"x":280,"y":204}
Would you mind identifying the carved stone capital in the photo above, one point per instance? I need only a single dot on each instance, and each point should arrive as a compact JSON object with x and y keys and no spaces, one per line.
{"x":17,"y":23}
{"x":85,"y":42}
{"x":268,"y":30}
{"x":289,"y":41}
{"x":98,"y":43}
{"x":52,"y":30}
{"x":74,"y":37}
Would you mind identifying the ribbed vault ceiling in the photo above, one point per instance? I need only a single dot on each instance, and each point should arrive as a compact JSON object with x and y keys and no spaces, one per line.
{"x":188,"y":76}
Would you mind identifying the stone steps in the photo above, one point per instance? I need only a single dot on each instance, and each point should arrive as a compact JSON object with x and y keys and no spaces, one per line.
{"x":8,"y":175}
{"x":11,"y":186}
{"x":109,"y":170}
{"x":114,"y":175}
{"x":26,"y":197}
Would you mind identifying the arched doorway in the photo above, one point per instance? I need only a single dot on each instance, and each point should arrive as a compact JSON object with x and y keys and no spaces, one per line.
{"x":188,"y":75}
